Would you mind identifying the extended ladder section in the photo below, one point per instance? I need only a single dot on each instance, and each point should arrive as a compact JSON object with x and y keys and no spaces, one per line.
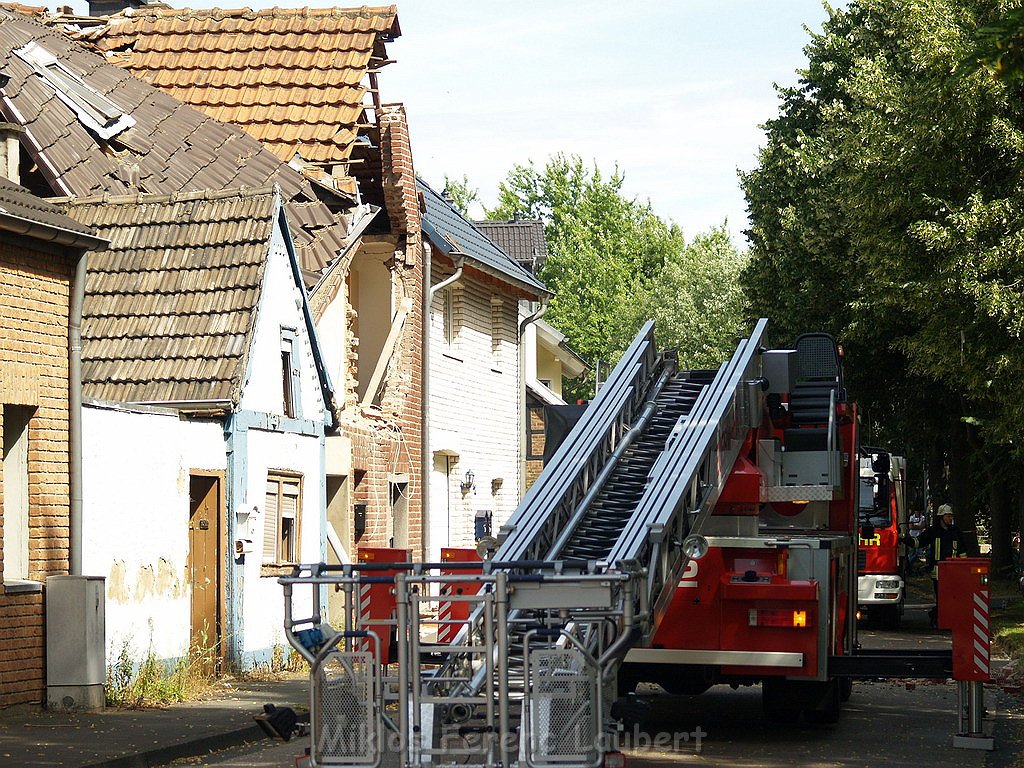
{"x":640,"y":471}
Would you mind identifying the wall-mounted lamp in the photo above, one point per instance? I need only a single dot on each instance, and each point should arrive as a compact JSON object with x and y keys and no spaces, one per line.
{"x":469,"y":484}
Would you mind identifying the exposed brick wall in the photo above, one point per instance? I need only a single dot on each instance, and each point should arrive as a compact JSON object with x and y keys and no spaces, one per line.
{"x":392,"y":443}
{"x":534,"y":439}
{"x":34,"y":298}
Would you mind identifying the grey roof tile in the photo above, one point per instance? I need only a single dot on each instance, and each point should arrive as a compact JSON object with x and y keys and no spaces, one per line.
{"x":18,"y":202}
{"x":169,"y":305}
{"x":171,"y":148}
{"x":522,"y":239}
{"x":450,"y":231}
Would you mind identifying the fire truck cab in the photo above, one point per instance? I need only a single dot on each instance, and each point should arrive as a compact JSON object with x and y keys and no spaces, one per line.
{"x":882,"y":518}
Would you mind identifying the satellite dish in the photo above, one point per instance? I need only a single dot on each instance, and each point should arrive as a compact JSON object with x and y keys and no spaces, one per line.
{"x":485,"y":546}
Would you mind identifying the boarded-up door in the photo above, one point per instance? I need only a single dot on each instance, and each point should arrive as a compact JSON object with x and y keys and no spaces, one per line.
{"x":204,"y":558}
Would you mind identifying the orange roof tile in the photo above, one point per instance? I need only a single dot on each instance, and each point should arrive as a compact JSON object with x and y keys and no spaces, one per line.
{"x":294,"y":79}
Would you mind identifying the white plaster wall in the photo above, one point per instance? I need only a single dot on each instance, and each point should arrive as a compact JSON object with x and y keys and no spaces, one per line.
{"x":473,"y":414}
{"x":331,"y":330}
{"x":262,"y":596}
{"x":262,"y":606}
{"x":280,"y":306}
{"x":135,"y":500}
{"x":549,"y":368}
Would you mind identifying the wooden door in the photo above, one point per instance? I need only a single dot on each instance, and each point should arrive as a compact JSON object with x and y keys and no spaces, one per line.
{"x":204,"y":558}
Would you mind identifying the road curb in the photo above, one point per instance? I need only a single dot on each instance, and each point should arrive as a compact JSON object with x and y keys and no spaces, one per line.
{"x":193,"y":748}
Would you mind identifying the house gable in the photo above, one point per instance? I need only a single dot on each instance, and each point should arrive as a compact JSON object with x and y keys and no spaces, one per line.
{"x":284,"y":375}
{"x":171,"y":148}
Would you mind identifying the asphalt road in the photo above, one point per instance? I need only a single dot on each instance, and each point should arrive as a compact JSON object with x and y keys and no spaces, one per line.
{"x":893,"y":723}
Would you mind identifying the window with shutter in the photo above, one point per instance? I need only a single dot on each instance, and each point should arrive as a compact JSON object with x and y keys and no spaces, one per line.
{"x":282,"y":510}
{"x":270,"y":511}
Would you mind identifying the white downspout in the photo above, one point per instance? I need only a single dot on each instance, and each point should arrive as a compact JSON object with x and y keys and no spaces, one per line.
{"x":524,"y":421}
{"x":75,"y":417}
{"x":427,"y":458}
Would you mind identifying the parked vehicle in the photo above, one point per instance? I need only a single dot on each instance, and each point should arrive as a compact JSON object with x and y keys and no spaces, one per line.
{"x":883,"y":521}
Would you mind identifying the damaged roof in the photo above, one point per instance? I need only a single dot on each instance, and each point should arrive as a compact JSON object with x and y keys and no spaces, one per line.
{"x":522,"y":239}
{"x":299,"y":80}
{"x":453,"y":234}
{"x":170,"y":304}
{"x":93,"y":128}
{"x":22,"y":212}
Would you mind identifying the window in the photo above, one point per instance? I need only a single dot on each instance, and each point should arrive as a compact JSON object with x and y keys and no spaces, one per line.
{"x":289,"y":374}
{"x":94,"y":110}
{"x":16,"y":495}
{"x":281,"y":522}
{"x":399,"y":512}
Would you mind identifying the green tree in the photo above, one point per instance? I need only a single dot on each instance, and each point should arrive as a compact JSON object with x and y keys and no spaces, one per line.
{"x":460,"y":194}
{"x":887,"y":208}
{"x":604,"y":249}
{"x":696,"y":302}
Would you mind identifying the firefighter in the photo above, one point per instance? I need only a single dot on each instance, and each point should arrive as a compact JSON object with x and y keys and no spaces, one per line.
{"x":944,"y":539}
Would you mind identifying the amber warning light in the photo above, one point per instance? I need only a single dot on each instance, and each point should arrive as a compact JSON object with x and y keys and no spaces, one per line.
{"x":777,"y":617}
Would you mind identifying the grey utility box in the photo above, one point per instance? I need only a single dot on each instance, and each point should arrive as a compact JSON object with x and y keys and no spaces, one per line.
{"x":75,"y":642}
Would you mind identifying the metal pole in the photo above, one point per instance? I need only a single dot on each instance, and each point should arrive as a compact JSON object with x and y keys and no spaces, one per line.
{"x":403,"y":667}
{"x":501,"y":614}
{"x":488,"y":643}
{"x":975,"y":708}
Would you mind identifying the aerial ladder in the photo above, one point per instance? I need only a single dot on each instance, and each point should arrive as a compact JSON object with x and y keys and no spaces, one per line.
{"x":586,"y":571}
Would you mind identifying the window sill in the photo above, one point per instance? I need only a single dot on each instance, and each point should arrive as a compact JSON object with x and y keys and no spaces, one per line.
{"x":22,"y":587}
{"x":276,"y":570}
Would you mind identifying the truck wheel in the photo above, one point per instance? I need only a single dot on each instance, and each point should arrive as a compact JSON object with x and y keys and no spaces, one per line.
{"x":778,"y":702}
{"x":827,"y":711}
{"x":845,"y":689}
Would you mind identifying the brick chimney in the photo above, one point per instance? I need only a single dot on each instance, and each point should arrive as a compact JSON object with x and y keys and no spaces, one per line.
{"x":10,"y":152}
{"x":110,"y":7}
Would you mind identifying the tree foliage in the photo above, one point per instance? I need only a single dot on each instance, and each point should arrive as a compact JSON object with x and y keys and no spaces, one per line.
{"x":604,"y":249}
{"x":887,"y":208}
{"x":696,"y":301}
{"x":460,"y":193}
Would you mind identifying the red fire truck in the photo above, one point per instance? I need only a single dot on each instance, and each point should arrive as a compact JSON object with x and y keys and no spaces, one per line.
{"x":881,"y":557}
{"x":774,"y":596}
{"x":692,"y":528}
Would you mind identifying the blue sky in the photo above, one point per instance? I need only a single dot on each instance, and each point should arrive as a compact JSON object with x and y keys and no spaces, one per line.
{"x":673,"y":91}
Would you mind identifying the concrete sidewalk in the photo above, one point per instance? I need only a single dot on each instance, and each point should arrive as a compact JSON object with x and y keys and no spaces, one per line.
{"x":142,"y":738}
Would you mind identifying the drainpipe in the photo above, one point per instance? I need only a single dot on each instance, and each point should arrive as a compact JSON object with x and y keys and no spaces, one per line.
{"x":427,"y":458}
{"x":75,"y":417}
{"x":524,"y":422}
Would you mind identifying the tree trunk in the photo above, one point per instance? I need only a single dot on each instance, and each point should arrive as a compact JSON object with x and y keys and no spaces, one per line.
{"x":961,"y":483}
{"x":1001,"y":497}
{"x":936,"y":489}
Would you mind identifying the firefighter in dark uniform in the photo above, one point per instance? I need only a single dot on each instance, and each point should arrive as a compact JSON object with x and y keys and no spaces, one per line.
{"x":941,"y":541}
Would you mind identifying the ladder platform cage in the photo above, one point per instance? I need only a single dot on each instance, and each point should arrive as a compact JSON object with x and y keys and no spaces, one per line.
{"x":521,"y":683}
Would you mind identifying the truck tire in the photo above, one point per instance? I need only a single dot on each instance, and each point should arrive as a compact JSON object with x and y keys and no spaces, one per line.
{"x":827,"y":710}
{"x":845,"y":689}
{"x":778,"y":701}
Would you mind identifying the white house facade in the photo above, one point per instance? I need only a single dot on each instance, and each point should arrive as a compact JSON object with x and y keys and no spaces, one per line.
{"x":476,"y":379}
{"x":205,"y":435}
